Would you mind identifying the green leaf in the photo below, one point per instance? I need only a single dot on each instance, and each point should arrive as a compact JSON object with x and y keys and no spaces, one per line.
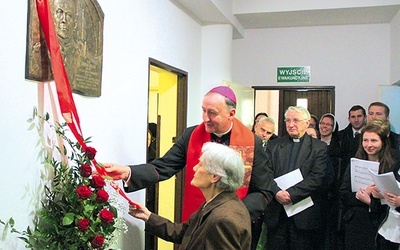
{"x":89,"y":208}
{"x":24,"y":239}
{"x":34,"y":112}
{"x":4,"y":233}
{"x":31,"y":126}
{"x":68,"y":219}
{"x":114,"y":211}
{"x":11,"y":222}
{"x":65,"y":150}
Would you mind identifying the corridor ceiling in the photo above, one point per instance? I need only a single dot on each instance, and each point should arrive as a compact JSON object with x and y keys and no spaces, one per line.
{"x":262,"y":14}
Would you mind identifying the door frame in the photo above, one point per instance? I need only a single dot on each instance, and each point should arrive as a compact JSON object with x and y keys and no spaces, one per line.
{"x":282,"y":109}
{"x":181,"y":123}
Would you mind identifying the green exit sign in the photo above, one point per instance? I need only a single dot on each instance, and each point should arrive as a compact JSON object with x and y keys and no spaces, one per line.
{"x":293,"y":74}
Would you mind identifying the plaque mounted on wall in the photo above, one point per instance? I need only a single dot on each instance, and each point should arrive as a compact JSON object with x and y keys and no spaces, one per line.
{"x":79,"y":27}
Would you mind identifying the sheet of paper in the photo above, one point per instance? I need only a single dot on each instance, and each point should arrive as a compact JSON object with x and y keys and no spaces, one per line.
{"x":386,"y":182}
{"x":298,"y":207}
{"x":360,"y":176}
{"x":288,"y":180}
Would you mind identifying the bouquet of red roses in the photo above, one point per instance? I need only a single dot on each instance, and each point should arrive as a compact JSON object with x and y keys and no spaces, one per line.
{"x":76,"y":212}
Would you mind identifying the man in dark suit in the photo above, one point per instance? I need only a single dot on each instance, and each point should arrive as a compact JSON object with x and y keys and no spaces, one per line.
{"x":381,"y":111}
{"x":349,"y":142}
{"x":350,"y":136}
{"x":265,"y":129}
{"x":309,"y":155}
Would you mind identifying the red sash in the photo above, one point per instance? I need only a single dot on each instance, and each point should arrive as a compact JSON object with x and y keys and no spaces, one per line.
{"x":241,"y":139}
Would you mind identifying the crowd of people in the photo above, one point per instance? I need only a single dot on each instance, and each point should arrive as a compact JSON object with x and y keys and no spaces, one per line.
{"x":252,"y":189}
{"x":348,"y":220}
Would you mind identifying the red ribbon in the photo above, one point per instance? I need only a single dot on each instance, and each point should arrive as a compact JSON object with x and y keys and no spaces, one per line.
{"x":64,"y":92}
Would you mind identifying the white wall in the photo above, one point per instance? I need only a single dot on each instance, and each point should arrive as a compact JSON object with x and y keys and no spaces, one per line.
{"x":216,"y":65}
{"x":18,"y":168}
{"x":395,"y":49}
{"x":133,"y":32}
{"x":355,"y":59}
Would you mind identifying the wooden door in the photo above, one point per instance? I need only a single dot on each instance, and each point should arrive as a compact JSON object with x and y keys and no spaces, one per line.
{"x":320,"y":100}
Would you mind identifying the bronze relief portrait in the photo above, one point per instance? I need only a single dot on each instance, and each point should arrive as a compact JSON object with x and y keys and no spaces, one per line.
{"x":79,"y":28}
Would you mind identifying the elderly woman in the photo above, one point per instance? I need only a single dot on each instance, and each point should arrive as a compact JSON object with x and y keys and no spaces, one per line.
{"x":222,"y":221}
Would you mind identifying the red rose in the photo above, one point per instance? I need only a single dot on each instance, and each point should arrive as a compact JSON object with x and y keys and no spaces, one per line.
{"x":106,"y":216}
{"x":97,"y":241}
{"x":83,"y":225}
{"x":90,"y":153}
{"x":86,"y":170}
{"x":102,"y":196}
{"x":98,"y":181}
{"x":84,"y":192}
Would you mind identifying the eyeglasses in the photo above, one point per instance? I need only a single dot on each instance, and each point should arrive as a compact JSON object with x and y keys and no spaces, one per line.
{"x":266,"y":132}
{"x":295,"y":120}
{"x":326,"y":124}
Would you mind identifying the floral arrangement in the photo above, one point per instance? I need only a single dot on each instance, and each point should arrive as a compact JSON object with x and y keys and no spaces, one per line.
{"x":77,"y":211}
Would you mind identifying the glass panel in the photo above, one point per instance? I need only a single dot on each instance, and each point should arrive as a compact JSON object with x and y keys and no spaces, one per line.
{"x":303,"y":102}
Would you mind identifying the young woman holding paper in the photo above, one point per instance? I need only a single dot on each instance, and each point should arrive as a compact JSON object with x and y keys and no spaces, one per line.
{"x":389,"y":230}
{"x":363,"y":210}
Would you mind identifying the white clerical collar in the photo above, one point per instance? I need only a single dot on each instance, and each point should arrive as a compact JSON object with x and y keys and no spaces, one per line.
{"x":297,"y":139}
{"x":219,"y":135}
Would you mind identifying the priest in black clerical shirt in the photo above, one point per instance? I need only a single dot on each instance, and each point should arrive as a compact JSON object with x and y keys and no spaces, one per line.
{"x":296,"y":151}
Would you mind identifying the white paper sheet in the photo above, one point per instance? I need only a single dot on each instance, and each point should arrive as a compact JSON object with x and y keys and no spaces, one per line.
{"x":360,"y":176}
{"x":386,"y":183}
{"x":288,"y":180}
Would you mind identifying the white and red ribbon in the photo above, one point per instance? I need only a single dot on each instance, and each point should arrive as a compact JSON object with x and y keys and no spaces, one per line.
{"x":63,"y":87}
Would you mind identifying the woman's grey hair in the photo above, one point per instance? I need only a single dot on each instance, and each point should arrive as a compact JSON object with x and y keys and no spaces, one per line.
{"x":304,"y":112}
{"x":222,"y":160}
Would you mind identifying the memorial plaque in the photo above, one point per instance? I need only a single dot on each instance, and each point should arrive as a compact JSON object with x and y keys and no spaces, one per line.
{"x":37,"y":65}
{"x":79,"y":28}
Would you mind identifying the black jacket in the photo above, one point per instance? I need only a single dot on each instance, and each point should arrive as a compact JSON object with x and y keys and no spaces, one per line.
{"x":312,"y":162}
